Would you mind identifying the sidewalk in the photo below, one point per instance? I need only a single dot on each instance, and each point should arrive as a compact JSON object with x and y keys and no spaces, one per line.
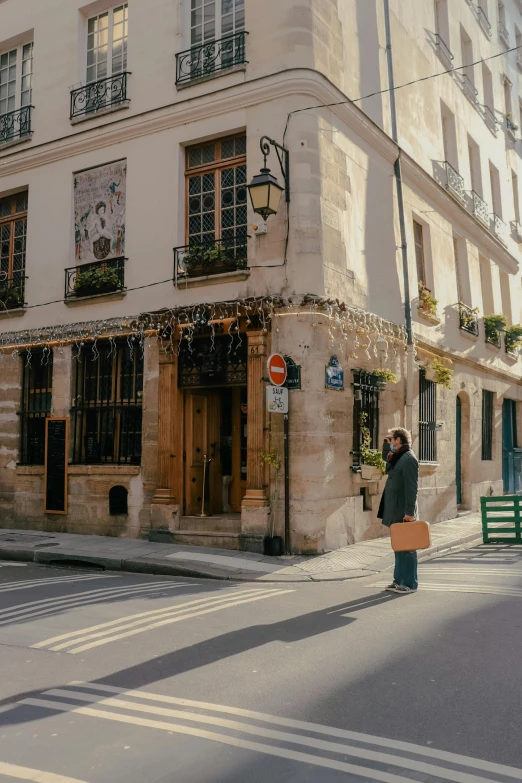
{"x":126,"y":554}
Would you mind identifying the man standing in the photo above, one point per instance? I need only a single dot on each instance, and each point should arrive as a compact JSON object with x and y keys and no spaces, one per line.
{"x":399,"y":502}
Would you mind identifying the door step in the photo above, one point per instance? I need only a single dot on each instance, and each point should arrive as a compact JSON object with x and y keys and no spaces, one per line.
{"x":208,"y":538}
{"x":218,"y":523}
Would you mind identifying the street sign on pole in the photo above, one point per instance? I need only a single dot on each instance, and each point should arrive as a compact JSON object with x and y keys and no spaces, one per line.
{"x":277,"y":371}
{"x":276,"y":399}
{"x":293,"y":378}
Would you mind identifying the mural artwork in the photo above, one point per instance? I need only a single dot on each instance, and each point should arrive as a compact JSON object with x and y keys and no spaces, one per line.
{"x":99,"y":212}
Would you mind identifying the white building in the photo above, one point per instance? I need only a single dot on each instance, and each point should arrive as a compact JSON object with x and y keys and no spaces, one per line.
{"x":129,"y":130}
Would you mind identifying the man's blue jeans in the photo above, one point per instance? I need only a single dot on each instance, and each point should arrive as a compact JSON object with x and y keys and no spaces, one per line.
{"x":405,"y":572}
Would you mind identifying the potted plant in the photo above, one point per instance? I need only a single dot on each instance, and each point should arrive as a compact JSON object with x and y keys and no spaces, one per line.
{"x":373,"y":467}
{"x":468,"y":317}
{"x":493,"y":325}
{"x":96,"y":280}
{"x":438,"y":372}
{"x":203,"y":258}
{"x":385,"y":375}
{"x":273,"y":546}
{"x":427,"y":302}
{"x":513,"y":337}
{"x":11,"y":297}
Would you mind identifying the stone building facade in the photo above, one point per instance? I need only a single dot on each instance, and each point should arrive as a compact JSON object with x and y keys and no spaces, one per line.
{"x":159,"y":363}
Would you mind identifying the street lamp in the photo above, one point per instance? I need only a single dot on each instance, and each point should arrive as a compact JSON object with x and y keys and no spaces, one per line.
{"x":265,"y":191}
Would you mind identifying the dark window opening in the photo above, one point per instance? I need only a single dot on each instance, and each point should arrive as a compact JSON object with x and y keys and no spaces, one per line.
{"x":37,"y":379}
{"x":487,"y":424}
{"x":427,"y":419}
{"x":118,"y":500}
{"x":366,"y":401}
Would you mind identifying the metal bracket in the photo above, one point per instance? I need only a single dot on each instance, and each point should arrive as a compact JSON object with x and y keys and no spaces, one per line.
{"x":283,"y":157}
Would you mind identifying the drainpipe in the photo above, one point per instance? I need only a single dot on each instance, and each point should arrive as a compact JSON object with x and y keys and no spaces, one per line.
{"x":402,"y":223}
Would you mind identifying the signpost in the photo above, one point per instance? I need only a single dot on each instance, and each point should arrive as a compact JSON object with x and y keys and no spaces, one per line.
{"x":277,"y":402}
{"x":276,"y":399}
{"x":277,"y":371}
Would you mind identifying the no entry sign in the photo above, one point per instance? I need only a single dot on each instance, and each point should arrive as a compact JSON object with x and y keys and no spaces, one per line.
{"x":277,"y":369}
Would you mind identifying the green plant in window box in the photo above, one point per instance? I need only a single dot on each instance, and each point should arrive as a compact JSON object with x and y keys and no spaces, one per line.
{"x":468,"y":317}
{"x":493,"y":325}
{"x":385,"y":375}
{"x":370,"y":458}
{"x":427,"y":302}
{"x":441,"y":374}
{"x":96,"y":280}
{"x":513,"y":337}
{"x":202,"y":257}
{"x":11,"y":297}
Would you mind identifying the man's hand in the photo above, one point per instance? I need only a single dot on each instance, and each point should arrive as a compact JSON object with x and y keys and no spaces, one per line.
{"x":409,"y":519}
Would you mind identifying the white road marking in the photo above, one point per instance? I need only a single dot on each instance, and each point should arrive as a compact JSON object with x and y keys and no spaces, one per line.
{"x":34,"y":609}
{"x":156,"y":618}
{"x":38,"y":775}
{"x":13,"y":565}
{"x":26,"y":584}
{"x":373,"y":754}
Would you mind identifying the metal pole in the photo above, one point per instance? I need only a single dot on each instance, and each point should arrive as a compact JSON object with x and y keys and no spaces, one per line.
{"x":287,"y":482}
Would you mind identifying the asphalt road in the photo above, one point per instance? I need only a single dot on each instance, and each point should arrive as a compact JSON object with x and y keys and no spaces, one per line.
{"x":120,"y":677}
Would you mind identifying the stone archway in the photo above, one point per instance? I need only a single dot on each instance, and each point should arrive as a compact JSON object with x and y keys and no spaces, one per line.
{"x":463,"y":451}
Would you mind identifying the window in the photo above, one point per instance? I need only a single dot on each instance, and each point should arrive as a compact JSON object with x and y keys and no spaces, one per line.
{"x":487,"y":83}
{"x":474,"y":166}
{"x":214,"y":19}
{"x":13,"y":233}
{"x":442,"y":28}
{"x":418,"y":237}
{"x":496,"y":199}
{"x":37,"y":381}
{"x":516,"y":197}
{"x":427,"y":419}
{"x":107,"y":36}
{"x":16,"y":74}
{"x":487,"y":424}
{"x":460,"y":251}
{"x":365,"y":401}
{"x":217,"y":192}
{"x":508,"y":103}
{"x":486,"y":283}
{"x":466,"y":47}
{"x":505,"y":296}
{"x":107,"y":404}
{"x":449,"y":136}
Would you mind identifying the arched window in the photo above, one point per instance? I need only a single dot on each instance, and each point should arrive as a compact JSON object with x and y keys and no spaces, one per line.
{"x":118,"y":500}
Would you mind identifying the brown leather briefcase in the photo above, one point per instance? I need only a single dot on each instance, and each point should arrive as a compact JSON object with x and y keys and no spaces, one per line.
{"x":410,"y":536}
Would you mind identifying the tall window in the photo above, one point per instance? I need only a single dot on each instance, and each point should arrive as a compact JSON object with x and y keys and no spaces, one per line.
{"x":216,"y":191}
{"x":427,"y":419}
{"x":516,"y":196}
{"x":108,"y":404}
{"x":107,"y":36}
{"x":487,"y":424}
{"x":13,"y":233}
{"x":418,"y":236}
{"x":366,"y":401}
{"x":474,"y":166}
{"x":213,"y":19}
{"x":37,"y":381}
{"x":449,"y":136}
{"x":487,"y":84}
{"x":16,"y":74}
{"x":496,"y":197}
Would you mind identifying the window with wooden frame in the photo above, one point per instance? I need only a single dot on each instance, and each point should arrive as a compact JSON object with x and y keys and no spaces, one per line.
{"x":418,"y":237}
{"x":36,"y":398}
{"x":216,"y":194}
{"x":13,"y":236}
{"x":107,"y":404}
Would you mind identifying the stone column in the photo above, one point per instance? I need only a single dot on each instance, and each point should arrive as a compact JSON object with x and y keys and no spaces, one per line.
{"x":254,"y":511}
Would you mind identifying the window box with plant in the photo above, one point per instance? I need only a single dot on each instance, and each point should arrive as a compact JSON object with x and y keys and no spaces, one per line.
{"x":468,"y":319}
{"x":103,"y":277}
{"x":427,"y":306}
{"x":513,"y":339}
{"x":11,"y":295}
{"x":493,"y":326}
{"x":373,"y":467}
{"x":438,"y":372}
{"x":383,"y":377}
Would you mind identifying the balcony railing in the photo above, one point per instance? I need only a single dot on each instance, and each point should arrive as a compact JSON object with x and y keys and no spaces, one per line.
{"x":480,"y":208}
{"x":484,"y":21}
{"x":503,"y":33}
{"x":494,"y":338}
{"x":210,"y":257}
{"x":210,"y":57}
{"x":96,"y":96}
{"x":511,"y":347}
{"x":444,"y":51}
{"x":468,"y":319}
{"x":96,"y":278}
{"x":511,"y":126}
{"x":516,"y":228}
{"x":469,"y":88}
{"x":15,"y":124}
{"x":489,"y":118}
{"x":499,"y":227}
{"x":12,"y":290}
{"x":519,"y":60}
{"x":454,"y":182}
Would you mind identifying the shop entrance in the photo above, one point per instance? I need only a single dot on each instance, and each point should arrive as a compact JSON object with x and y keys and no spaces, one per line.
{"x":215,"y":431}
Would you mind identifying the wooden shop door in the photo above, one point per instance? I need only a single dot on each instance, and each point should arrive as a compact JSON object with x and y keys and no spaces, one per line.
{"x":202,"y":439}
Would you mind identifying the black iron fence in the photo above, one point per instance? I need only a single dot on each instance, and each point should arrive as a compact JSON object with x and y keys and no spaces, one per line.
{"x":366,"y":389}
{"x":12,"y":290}
{"x":15,"y":124}
{"x":93,"y":279}
{"x":99,"y":95}
{"x":210,"y":57}
{"x":468,"y":319}
{"x":427,"y":419}
{"x":210,"y":257}
{"x":36,"y":397}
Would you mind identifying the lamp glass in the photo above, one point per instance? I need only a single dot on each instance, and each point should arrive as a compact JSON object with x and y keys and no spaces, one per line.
{"x":265,"y":193}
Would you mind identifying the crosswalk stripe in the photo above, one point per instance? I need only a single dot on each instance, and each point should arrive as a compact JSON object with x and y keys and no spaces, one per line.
{"x":275,"y":750}
{"x":228,"y":595}
{"x":281,"y":736}
{"x":155,"y":614}
{"x":33,"y":608}
{"x":6,"y":587}
{"x":37,"y":775}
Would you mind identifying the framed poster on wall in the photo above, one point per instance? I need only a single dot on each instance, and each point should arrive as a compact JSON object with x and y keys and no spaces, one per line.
{"x":56,"y":465}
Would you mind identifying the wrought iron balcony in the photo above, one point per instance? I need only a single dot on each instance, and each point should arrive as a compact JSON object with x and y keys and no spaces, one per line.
{"x":483,"y":20}
{"x":99,"y":95}
{"x":210,"y":57}
{"x":480,"y":208}
{"x":468,"y":319}
{"x":499,"y":227}
{"x":511,"y":126}
{"x":490,"y":119}
{"x":210,"y":257}
{"x":454,"y":182}
{"x":493,"y":338}
{"x":503,"y":33}
{"x":511,"y":348}
{"x":469,"y":88}
{"x":15,"y":124}
{"x":444,"y":51}
{"x":96,"y":278}
{"x":12,"y":290}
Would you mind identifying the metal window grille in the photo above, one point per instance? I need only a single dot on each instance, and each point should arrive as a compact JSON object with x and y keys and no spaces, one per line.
{"x":366,"y":400}
{"x":37,"y":381}
{"x":487,"y":424}
{"x":107,"y":404}
{"x":13,"y":234}
{"x":427,"y":419}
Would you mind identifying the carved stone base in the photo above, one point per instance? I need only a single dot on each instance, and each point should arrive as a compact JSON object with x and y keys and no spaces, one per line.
{"x":164,"y":496}
{"x":164,"y":516}
{"x":255,"y":498}
{"x":254,"y":520}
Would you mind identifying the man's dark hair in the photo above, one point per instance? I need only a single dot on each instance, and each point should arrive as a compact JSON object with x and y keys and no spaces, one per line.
{"x":404,"y":435}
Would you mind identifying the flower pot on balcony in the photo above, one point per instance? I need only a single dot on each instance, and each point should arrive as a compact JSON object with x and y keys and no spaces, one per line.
{"x":370,"y":473}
